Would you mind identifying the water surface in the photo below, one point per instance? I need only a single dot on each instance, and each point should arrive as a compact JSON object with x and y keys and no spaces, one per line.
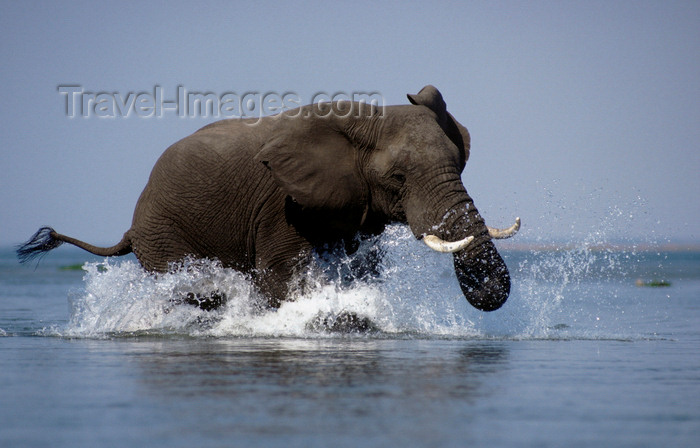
{"x":579,"y":355}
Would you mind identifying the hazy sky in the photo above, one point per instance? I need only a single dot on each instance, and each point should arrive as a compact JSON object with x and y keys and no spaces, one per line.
{"x":584,"y":116}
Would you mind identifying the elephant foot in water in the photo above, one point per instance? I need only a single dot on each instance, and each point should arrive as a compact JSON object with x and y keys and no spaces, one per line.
{"x":206,"y":302}
{"x":342,"y":322}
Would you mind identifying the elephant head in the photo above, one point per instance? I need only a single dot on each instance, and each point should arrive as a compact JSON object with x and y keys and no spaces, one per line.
{"x":348,"y":167}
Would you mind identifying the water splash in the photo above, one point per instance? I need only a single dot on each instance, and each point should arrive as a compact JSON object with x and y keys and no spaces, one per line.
{"x":403,"y":288}
{"x":561,"y":290}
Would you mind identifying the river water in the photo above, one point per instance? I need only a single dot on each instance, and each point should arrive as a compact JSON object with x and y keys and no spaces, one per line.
{"x":94,"y":352}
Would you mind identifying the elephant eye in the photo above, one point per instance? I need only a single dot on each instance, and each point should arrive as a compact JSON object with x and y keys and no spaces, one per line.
{"x":398,"y":177}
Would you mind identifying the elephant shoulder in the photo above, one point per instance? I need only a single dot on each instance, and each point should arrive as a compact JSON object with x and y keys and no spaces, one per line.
{"x":215,"y":143}
{"x":183,"y":152}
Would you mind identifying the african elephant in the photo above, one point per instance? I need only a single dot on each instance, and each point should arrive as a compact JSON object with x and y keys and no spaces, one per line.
{"x":262,"y":196}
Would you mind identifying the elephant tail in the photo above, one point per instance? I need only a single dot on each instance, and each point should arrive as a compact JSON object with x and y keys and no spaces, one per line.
{"x":46,"y":239}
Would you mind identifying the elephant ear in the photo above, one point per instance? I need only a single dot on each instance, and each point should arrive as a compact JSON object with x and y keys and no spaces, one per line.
{"x":315,"y":165}
{"x":430,"y":97}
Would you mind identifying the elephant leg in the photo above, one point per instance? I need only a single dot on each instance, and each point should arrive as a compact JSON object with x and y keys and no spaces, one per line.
{"x":366,"y":264}
{"x":348,"y":261}
{"x":277,"y":281}
{"x":281,"y":254}
{"x":272,"y":284}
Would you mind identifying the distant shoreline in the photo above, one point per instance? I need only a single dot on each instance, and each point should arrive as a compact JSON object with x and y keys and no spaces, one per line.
{"x":615,"y":247}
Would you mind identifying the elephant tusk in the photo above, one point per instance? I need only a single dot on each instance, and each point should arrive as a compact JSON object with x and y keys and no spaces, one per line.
{"x":441,"y":245}
{"x":501,"y":234}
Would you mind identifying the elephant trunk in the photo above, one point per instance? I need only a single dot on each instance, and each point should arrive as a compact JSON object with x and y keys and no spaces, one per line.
{"x":483,"y":276}
{"x":480,"y":270}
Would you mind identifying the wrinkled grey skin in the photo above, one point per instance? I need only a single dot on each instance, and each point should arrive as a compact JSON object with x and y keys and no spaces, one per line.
{"x":261,"y":196}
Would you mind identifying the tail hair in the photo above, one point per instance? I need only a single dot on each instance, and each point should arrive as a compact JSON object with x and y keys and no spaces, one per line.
{"x":37,"y":246}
